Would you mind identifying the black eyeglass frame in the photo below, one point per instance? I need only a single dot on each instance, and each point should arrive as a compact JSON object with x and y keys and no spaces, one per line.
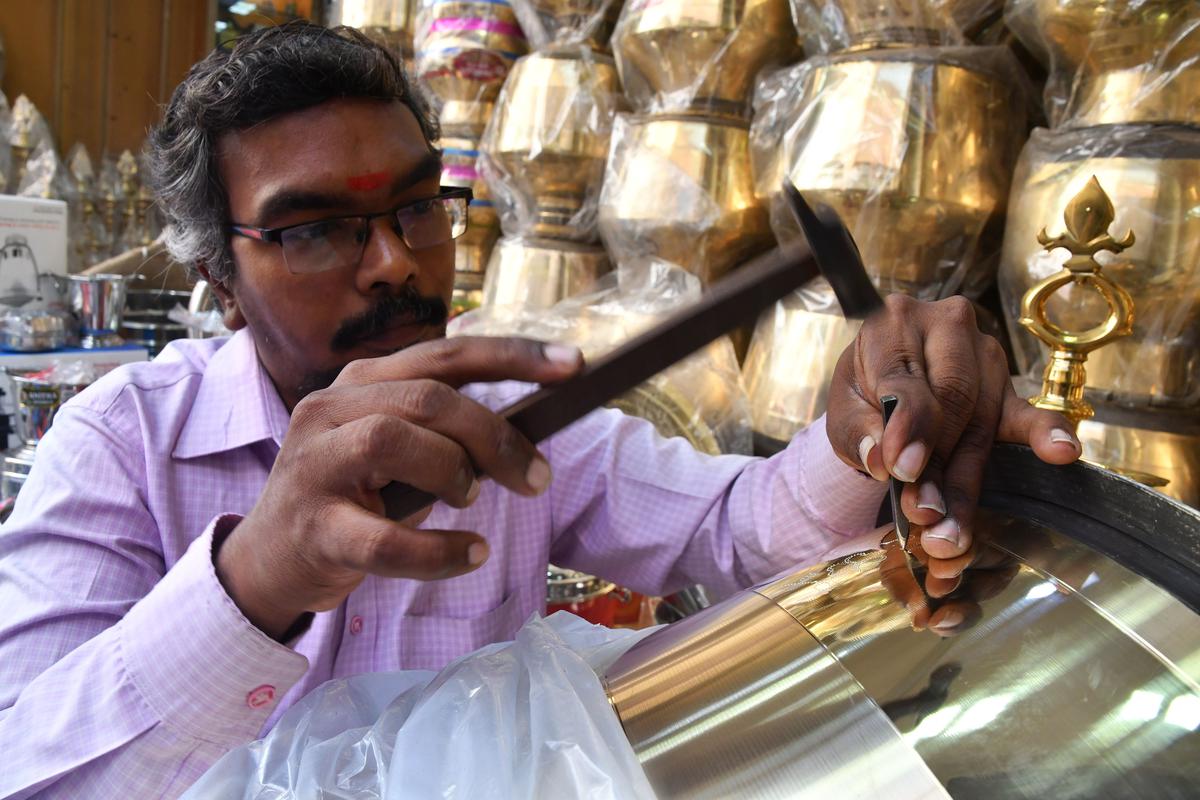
{"x":276,"y":234}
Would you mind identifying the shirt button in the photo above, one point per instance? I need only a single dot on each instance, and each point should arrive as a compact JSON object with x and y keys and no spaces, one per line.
{"x":260,"y":696}
{"x":356,"y":623}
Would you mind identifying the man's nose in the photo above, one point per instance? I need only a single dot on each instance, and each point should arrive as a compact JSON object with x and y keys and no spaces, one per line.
{"x":386,"y":259}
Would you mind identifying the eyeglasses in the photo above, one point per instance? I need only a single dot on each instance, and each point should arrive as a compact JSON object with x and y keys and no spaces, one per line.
{"x":340,"y":241}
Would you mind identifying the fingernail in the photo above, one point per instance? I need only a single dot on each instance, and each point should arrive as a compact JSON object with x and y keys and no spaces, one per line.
{"x":1058,"y":436}
{"x":538,"y":475}
{"x":865,"y":446}
{"x":561,"y":353}
{"x":912,"y":459}
{"x":951,"y":619}
{"x":477,"y":553}
{"x":473,"y":492}
{"x":929,"y":497}
{"x":947,"y":530}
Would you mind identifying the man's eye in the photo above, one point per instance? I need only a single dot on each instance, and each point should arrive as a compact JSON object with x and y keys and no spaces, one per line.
{"x":422,"y":206}
{"x":308,"y":233}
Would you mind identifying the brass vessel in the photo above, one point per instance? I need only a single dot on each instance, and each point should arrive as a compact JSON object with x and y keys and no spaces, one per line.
{"x":589,"y":22}
{"x":390,"y":22}
{"x":679,"y":188}
{"x":1153,"y":176}
{"x":700,"y":57}
{"x":790,"y":364}
{"x":460,"y":156}
{"x":537,"y":273}
{"x":868,"y":24}
{"x":545,"y":148}
{"x":914,"y":150}
{"x":464,"y":52}
{"x":1115,"y":61}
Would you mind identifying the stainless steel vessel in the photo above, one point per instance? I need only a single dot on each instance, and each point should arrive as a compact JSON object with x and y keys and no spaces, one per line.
{"x":1066,"y":665}
{"x":98,"y":301}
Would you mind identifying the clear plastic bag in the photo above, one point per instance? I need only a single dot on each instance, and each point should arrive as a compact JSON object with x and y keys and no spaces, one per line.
{"x":543,"y":152}
{"x":913,"y":148}
{"x":5,"y":148}
{"x":834,"y":25}
{"x":389,"y":22}
{"x":528,"y":718}
{"x":701,"y":398}
{"x":28,"y":134}
{"x":1152,"y":176}
{"x":464,"y":51}
{"x":676,"y":56}
{"x":680,"y":189}
{"x":548,"y":23}
{"x":1114,"y":61}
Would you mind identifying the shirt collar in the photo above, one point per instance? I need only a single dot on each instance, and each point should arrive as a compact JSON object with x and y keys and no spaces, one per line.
{"x":237,"y":403}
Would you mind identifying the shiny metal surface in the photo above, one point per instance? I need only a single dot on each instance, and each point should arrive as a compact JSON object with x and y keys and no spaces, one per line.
{"x":929,"y":162}
{"x":460,"y":156}
{"x":867,"y":24}
{"x":1065,"y":675}
{"x":537,"y":273}
{"x":98,"y":301}
{"x":700,"y":57}
{"x":391,"y":22}
{"x":1141,"y":442}
{"x":680,"y":189}
{"x":36,"y":402}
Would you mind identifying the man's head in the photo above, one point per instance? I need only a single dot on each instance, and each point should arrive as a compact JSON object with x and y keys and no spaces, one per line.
{"x":293,"y":125}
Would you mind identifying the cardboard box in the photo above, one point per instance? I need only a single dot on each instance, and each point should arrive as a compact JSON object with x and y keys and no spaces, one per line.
{"x":33,"y":248}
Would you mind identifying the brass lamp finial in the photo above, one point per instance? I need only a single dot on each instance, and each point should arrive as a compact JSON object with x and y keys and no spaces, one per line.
{"x":1087,"y":217}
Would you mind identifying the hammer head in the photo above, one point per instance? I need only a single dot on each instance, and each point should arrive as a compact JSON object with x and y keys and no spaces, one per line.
{"x":836,"y":254}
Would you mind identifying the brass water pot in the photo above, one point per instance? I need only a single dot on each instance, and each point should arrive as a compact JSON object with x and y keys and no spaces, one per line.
{"x":790,"y":364}
{"x":914,"y":150}
{"x":679,"y":188}
{"x":589,"y":22}
{"x":545,"y":148}
{"x":537,"y":273}
{"x":389,"y":22}
{"x":677,"y":56}
{"x":868,"y":24}
{"x":460,"y":155}
{"x":464,"y":51}
{"x":1115,"y":61}
{"x":1152,"y":175}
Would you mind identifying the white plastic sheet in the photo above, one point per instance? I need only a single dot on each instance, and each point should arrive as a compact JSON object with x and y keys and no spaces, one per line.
{"x":525,"y":719}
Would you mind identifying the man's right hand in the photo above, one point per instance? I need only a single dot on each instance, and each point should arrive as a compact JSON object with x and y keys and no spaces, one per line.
{"x":318,"y":528}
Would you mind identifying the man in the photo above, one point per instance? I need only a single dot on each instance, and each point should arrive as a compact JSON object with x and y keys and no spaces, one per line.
{"x":201,"y":540}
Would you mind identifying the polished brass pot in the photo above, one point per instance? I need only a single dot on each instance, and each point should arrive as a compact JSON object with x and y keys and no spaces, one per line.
{"x":546,"y":145}
{"x":687,"y":57}
{"x":1152,"y":175}
{"x":460,"y":155}
{"x":1115,"y":61}
{"x":390,"y":22}
{"x":868,"y":24}
{"x":1064,"y":665}
{"x":790,"y":364}
{"x":464,"y":52}
{"x":537,"y":273}
{"x":679,"y":188}
{"x":549,"y":22}
{"x":914,"y":150}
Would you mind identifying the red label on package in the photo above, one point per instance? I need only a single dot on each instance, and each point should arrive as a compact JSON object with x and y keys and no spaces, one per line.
{"x":480,"y":65}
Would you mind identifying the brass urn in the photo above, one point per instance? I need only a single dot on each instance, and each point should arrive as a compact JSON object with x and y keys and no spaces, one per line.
{"x":465,"y":49}
{"x":687,"y":57}
{"x":913,"y":148}
{"x":1153,"y":175}
{"x":543,"y":153}
{"x":536,"y":273}
{"x":679,"y":188}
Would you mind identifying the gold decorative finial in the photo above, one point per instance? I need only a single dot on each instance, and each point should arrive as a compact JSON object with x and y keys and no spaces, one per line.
{"x":1087,"y":218}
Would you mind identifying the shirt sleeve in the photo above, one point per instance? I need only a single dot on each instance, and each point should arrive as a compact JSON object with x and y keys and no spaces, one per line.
{"x":118,"y":677}
{"x":655,"y":515}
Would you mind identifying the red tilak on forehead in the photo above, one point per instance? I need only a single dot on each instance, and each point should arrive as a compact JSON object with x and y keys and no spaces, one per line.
{"x":365,"y":183}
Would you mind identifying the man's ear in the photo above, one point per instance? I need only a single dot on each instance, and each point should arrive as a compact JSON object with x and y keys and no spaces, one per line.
{"x":231,"y":313}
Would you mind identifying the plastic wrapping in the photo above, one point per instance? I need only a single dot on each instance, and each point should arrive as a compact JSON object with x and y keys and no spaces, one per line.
{"x":701,"y":398}
{"x":543,"y":152}
{"x":32,"y":329}
{"x":200,"y":324}
{"x":91,"y":240}
{"x":1114,"y":61}
{"x":834,"y":25}
{"x":913,"y":148}
{"x":108,"y":197}
{"x":1152,"y":176}
{"x":792,"y":356}
{"x":524,"y":719}
{"x":464,"y":50}
{"x":27,"y":133}
{"x":557,"y":22}
{"x":676,"y":56}
{"x":5,"y":148}
{"x":390,"y":22}
{"x":536,"y":273}
{"x":680,"y":188}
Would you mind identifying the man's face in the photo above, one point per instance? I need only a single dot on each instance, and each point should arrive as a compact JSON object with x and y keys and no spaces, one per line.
{"x":345,"y":156}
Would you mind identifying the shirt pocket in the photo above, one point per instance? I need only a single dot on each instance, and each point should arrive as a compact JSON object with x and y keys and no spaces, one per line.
{"x":431,"y":641}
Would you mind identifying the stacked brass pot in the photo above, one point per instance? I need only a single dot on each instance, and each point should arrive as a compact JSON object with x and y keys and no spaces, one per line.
{"x":389,"y":22}
{"x":910,"y":134}
{"x":1122,"y":96}
{"x":465,"y":51}
{"x":543,"y":158}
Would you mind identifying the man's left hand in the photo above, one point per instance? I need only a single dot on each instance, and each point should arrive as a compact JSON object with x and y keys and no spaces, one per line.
{"x":955,"y":400}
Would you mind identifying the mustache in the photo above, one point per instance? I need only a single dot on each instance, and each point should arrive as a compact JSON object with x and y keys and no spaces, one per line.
{"x":408,"y":306}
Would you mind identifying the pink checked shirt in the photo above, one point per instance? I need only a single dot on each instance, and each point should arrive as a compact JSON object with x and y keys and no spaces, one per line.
{"x":125,"y":669}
